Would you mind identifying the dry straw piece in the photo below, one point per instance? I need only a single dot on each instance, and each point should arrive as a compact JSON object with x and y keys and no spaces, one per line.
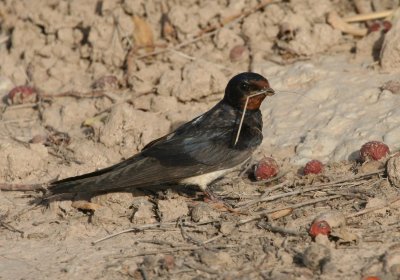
{"x":338,"y":23}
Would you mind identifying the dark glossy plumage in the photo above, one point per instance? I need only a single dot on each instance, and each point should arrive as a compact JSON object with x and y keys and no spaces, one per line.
{"x":203,"y":145}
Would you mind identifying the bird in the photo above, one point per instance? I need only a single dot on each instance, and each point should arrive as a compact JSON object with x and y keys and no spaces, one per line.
{"x":196,"y":153}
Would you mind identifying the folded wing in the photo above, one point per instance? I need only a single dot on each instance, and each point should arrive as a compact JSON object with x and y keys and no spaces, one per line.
{"x":200,"y":146}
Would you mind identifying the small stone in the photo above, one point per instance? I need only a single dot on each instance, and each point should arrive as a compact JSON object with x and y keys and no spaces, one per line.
{"x":143,"y":102}
{"x":119,"y":203}
{"x":316,"y":256}
{"x":391,"y":261}
{"x":215,"y":260}
{"x":203,"y":212}
{"x":144,"y":212}
{"x":227,"y":227}
{"x":392,"y":85}
{"x":172,"y":209}
{"x":322,"y":240}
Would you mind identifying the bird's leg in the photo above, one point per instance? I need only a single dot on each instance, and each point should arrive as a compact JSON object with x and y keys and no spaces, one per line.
{"x":218,"y":201}
{"x":246,"y":167}
{"x":211,"y":195}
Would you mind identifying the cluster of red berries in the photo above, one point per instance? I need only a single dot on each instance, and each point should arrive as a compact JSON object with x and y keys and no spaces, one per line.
{"x":267,"y":167}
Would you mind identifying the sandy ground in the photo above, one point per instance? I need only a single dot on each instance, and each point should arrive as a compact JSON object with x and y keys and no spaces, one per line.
{"x":106,"y":77}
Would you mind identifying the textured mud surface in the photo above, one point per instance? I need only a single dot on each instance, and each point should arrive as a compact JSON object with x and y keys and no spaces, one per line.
{"x":104,"y":78}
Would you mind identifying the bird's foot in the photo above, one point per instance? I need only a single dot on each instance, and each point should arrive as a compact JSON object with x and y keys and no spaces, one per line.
{"x":217,"y":202}
{"x":211,"y":195}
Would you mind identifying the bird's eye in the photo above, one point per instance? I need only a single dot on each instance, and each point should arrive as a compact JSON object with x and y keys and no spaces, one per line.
{"x":244,"y":86}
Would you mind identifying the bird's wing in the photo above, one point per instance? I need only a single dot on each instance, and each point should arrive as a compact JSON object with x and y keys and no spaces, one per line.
{"x":208,"y":141}
{"x":200,"y":146}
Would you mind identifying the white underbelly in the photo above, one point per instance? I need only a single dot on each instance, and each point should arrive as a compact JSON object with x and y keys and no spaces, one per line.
{"x":203,"y":180}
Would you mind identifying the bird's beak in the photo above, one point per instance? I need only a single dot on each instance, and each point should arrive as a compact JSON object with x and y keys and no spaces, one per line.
{"x":269,"y":92}
{"x":265,"y":92}
{"x":264,"y":86}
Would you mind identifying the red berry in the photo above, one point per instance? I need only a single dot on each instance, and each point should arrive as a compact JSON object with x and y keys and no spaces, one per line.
{"x":384,"y":26}
{"x":376,"y":26}
{"x":266,"y":168}
{"x":387,"y":25}
{"x":319,"y":227}
{"x":371,"y":278}
{"x":373,"y":150}
{"x":313,"y":167}
{"x":22,"y":94}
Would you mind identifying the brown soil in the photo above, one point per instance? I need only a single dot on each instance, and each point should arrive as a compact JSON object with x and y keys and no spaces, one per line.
{"x":106,"y":77}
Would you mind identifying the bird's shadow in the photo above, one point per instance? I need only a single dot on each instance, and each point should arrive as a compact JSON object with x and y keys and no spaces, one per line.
{"x":191,"y":191}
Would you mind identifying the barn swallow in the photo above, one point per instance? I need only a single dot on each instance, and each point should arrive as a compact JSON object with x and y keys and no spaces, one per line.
{"x":196,"y":153}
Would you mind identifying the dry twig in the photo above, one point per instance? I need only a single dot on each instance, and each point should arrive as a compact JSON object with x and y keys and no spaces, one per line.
{"x":372,"y":209}
{"x":177,"y":249}
{"x":263,"y":213}
{"x":10,"y":228}
{"x":315,"y":187}
{"x":161,"y":226}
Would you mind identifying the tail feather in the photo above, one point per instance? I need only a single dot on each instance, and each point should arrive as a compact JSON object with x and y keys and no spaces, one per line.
{"x":103,"y":179}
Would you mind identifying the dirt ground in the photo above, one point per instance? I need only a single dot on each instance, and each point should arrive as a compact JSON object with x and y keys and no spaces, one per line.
{"x":103,"y":78}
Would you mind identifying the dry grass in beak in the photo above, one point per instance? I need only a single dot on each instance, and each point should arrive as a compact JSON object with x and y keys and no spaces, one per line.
{"x":267,"y":92}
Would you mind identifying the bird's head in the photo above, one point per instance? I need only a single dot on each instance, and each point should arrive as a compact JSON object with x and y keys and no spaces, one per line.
{"x":247,"y":85}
